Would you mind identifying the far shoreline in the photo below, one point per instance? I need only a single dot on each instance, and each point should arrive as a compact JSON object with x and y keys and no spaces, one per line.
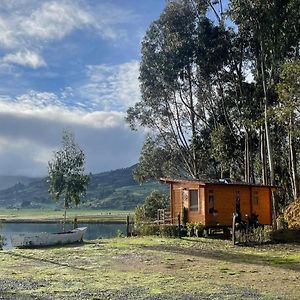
{"x":49,"y":216}
{"x":55,"y":221}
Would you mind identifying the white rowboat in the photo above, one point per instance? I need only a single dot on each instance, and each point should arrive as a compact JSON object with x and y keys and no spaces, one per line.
{"x":24,"y":240}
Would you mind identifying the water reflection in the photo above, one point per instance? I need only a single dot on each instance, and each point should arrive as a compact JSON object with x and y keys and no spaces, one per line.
{"x":94,"y":231}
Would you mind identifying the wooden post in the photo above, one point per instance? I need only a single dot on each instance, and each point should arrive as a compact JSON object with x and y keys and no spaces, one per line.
{"x":127,"y":226}
{"x":233,"y":228}
{"x":179,"y":225}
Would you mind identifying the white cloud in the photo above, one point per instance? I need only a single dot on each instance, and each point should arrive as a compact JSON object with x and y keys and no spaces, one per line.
{"x":54,"y":20}
{"x":31,"y":127}
{"x":25,"y":58}
{"x":7,"y":38}
{"x":112,"y":86}
{"x":48,"y":107}
{"x":28,"y":24}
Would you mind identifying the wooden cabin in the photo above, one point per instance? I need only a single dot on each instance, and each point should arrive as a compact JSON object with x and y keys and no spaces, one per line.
{"x":213,"y":203}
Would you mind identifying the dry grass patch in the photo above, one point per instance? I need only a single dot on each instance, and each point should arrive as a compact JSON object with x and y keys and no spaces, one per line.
{"x":152,"y":268}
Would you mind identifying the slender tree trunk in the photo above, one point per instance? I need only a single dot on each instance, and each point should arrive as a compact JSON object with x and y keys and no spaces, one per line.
{"x":263,"y":155}
{"x":247,"y":157}
{"x":267,"y":132}
{"x":193,"y":123}
{"x":293,"y":159}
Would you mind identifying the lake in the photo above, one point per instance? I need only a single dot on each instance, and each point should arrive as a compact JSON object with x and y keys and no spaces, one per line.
{"x":94,"y":230}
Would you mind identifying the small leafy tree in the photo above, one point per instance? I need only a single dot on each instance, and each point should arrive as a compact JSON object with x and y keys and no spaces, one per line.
{"x":66,"y":179}
{"x":148,"y":210}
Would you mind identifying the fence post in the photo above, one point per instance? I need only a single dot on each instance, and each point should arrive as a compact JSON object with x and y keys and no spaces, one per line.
{"x":233,"y":228}
{"x":127,"y":226}
{"x":179,"y":225}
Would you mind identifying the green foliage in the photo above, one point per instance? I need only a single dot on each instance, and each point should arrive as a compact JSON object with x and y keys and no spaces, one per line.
{"x":286,"y":236}
{"x":184,"y":216}
{"x":66,"y":172}
{"x":181,"y":51}
{"x":168,"y":230}
{"x":156,"y":200}
{"x":148,"y":229}
{"x":217,"y":100}
{"x":139,"y":215}
{"x":119,"y":233}
{"x":190,"y":229}
{"x":155,"y":162}
{"x":165,"y":230}
{"x":289,"y":88}
{"x":199,"y":229}
{"x":195,"y":228}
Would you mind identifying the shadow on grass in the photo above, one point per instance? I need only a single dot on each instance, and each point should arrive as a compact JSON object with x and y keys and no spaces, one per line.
{"x":39,"y":259}
{"x":219,"y":254}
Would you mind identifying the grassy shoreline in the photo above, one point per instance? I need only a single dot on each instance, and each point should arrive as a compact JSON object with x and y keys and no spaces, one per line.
{"x":56,"y":216}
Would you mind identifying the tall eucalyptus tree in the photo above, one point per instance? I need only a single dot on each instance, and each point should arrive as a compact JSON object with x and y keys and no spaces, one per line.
{"x":181,"y":55}
{"x":272,"y":28}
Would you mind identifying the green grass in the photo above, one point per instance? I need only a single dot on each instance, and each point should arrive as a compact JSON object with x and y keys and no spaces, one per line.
{"x":49,"y":215}
{"x":137,"y":268}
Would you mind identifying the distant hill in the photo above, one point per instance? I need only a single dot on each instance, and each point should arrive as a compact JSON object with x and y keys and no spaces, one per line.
{"x":9,"y":181}
{"x":108,"y":190}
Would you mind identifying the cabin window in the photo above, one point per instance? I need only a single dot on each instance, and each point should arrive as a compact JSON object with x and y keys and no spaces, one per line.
{"x":255,"y":198}
{"x":194,"y":200}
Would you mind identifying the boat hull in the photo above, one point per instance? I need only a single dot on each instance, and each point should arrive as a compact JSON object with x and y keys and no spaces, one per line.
{"x":42,"y":239}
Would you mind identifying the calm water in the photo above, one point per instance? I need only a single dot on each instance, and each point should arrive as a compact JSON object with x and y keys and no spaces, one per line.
{"x":94,"y":231}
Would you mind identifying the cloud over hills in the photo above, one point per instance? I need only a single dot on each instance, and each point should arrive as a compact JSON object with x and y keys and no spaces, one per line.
{"x":31,"y":127}
{"x":69,"y":64}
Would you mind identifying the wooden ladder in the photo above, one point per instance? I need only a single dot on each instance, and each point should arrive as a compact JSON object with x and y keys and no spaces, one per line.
{"x":163,"y":216}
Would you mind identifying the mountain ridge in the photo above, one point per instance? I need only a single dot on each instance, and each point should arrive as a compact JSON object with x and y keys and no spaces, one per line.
{"x":115,"y":189}
{"x":7,"y":181}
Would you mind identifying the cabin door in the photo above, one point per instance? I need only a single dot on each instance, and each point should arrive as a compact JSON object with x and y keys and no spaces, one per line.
{"x":177,"y":203}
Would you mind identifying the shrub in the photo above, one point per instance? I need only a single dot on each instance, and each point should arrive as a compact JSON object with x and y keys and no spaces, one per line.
{"x":195,"y":228}
{"x":199,"y":228}
{"x":259,"y":235}
{"x":119,"y":233}
{"x":184,"y":216}
{"x":148,"y":229}
{"x":139,"y":214}
{"x":147,"y":212}
{"x":281,"y":222}
{"x":286,"y":236}
{"x":156,"y":200}
{"x":190,"y":229}
{"x":168,"y":230}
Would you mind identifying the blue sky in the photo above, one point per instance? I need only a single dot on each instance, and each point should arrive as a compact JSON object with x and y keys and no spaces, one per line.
{"x":70,"y":64}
